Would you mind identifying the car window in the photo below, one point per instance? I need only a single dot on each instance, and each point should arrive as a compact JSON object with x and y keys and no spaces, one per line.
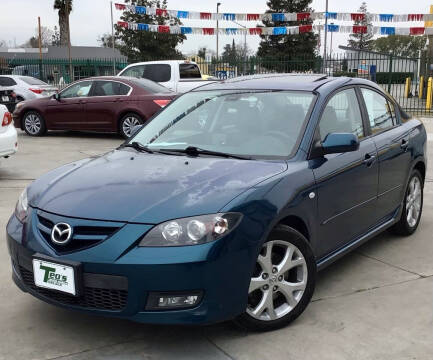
{"x":151,"y":86}
{"x":189,"y":71}
{"x":32,"y":81}
{"x":342,"y":114}
{"x":381,"y":112}
{"x":7,"y":81}
{"x":80,"y":89}
{"x":109,"y":88}
{"x":154,"y":72}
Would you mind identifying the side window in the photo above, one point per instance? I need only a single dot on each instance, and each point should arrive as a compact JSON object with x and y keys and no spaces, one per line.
{"x":122,"y":89}
{"x":381,"y":112}
{"x":189,"y":71}
{"x":157,"y":72}
{"x":109,"y":88}
{"x":134,"y":71}
{"x":7,"y":81}
{"x":80,"y":89}
{"x":342,"y":115}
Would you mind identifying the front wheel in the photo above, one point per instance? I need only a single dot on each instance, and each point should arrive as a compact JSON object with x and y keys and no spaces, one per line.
{"x":283,"y":281}
{"x":34,"y":124}
{"x":412,"y":206}
{"x":128,"y":123}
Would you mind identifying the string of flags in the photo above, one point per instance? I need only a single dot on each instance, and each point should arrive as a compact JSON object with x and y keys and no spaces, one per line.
{"x":290,"y":30}
{"x":195,"y":15}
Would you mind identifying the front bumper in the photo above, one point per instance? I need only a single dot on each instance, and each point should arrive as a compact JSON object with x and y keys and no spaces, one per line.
{"x":8,"y":141}
{"x":118,"y":276}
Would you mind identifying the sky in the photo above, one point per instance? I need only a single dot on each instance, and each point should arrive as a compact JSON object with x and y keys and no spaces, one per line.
{"x":91,"y":18}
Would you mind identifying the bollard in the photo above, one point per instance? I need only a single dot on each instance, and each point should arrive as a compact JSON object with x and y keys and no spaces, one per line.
{"x":407,"y":88}
{"x":429,"y":94}
{"x":421,"y":87}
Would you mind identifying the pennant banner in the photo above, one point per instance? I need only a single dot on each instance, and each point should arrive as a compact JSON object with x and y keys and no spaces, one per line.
{"x":291,"y":30}
{"x":181,"y":14}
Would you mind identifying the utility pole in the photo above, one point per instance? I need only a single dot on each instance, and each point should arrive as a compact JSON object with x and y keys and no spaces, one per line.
{"x":326,"y":36}
{"x":40,"y":47}
{"x":71,"y":76}
{"x":112,"y":39}
{"x":217,"y":31}
{"x":330,"y":49}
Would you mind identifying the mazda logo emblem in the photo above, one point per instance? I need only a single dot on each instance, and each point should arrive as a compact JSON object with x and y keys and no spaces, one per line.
{"x":61,"y":234}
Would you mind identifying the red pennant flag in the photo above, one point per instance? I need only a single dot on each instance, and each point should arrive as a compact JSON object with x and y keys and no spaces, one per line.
{"x":415,"y":17}
{"x":252,"y":17}
{"x":303,"y":16}
{"x":164,"y":29}
{"x":357,"y":16}
{"x":417,"y":31}
{"x":120,"y":6}
{"x":205,"y":16}
{"x":305,"y":29}
{"x":359,"y":29}
{"x":123,"y":24}
{"x":161,"y":12}
{"x":208,"y":31}
{"x":255,"y":31}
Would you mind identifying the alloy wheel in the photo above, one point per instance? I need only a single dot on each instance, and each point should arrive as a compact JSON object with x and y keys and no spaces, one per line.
{"x":33,"y":123}
{"x":128,"y":125}
{"x":413,"y":201}
{"x":279,"y":281}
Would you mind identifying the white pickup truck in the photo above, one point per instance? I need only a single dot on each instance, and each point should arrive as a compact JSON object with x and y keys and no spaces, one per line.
{"x":179,"y":76}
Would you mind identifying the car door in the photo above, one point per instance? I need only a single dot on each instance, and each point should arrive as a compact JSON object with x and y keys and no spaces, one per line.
{"x":346,"y":182}
{"x":392,"y":142}
{"x":69,"y":111}
{"x":103,"y":104}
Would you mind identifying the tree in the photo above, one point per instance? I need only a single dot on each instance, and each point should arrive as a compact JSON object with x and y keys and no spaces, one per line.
{"x":106,"y":40}
{"x":235,"y":53}
{"x":289,"y":46}
{"x":55,"y":39}
{"x":362,"y":41}
{"x":140,"y":45}
{"x":202,"y":52}
{"x":46,"y":38}
{"x":400,"y":45}
{"x":65,"y":8}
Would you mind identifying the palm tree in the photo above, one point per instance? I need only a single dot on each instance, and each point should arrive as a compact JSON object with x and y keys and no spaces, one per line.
{"x":64,"y":7}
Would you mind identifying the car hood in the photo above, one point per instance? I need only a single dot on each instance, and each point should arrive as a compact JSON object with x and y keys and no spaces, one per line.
{"x":124,"y":185}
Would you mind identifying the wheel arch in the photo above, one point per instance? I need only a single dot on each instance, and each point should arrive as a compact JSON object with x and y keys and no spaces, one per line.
{"x":296,"y":223}
{"x":25,"y":112}
{"x":420,"y":166}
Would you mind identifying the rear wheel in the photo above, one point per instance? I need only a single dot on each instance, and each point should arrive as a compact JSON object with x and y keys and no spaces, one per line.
{"x":127,"y":124}
{"x":34,"y":124}
{"x":282,"y":283}
{"x":412,"y":207}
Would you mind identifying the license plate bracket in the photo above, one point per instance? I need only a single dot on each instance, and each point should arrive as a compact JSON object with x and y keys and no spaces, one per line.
{"x":62,"y":276}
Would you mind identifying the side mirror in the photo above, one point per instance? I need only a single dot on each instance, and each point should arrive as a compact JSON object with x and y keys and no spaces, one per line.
{"x":136,"y":129}
{"x":335,"y":143}
{"x":56,"y":96}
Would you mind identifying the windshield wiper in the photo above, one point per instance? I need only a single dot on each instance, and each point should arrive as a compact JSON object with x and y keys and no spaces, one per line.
{"x":137,"y":146}
{"x":195,"y":151}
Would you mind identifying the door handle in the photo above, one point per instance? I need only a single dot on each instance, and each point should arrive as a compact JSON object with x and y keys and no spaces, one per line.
{"x":404,"y":144}
{"x":369,"y":159}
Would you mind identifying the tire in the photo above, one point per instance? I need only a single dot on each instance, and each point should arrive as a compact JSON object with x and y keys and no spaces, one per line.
{"x":34,"y":124}
{"x":284,"y":242}
{"x":127,"y":123}
{"x":412,"y":206}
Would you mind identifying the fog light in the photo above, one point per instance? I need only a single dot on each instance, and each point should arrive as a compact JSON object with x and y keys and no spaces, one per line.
{"x":167,"y":301}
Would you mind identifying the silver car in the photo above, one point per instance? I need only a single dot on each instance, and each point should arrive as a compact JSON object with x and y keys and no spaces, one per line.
{"x":26,"y":87}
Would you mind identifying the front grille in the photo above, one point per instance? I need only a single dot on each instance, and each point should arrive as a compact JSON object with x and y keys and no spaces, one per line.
{"x":92,"y":298}
{"x":83,"y":236}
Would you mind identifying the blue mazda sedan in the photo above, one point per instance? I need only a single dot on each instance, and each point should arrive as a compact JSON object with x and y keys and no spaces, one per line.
{"x":225,"y":205}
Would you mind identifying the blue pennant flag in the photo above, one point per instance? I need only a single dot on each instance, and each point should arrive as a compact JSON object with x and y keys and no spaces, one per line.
{"x":231,"y":31}
{"x":186,"y":30}
{"x":333,"y":28}
{"x":387,"y":30}
{"x":280,"y":31}
{"x":183,"y":14}
{"x":140,"y":10}
{"x":331,"y":15}
{"x":278,"y":17}
{"x":144,"y":27}
{"x":229,"y":16}
{"x":385,"y":17}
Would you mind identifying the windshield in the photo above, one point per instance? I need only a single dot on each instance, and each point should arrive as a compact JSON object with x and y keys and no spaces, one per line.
{"x":250,"y":123}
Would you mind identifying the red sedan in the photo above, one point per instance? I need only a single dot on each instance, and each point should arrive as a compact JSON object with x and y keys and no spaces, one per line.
{"x":103,"y":104}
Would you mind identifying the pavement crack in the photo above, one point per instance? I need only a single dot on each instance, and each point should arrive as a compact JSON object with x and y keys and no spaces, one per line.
{"x":218,"y":347}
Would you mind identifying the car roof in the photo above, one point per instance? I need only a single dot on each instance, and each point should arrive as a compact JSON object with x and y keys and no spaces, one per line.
{"x":296,"y":82}
{"x":168,"y":62}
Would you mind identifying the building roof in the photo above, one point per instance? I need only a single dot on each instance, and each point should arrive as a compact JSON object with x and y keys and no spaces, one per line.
{"x":61,"y":52}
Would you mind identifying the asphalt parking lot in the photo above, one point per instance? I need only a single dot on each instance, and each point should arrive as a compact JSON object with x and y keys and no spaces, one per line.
{"x":376,"y":303}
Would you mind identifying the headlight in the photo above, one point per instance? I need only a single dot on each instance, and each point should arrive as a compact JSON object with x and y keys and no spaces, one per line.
{"x":22,"y":206}
{"x":191,"y":231}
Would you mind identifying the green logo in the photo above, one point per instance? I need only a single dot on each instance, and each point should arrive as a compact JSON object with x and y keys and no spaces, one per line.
{"x":51,"y":277}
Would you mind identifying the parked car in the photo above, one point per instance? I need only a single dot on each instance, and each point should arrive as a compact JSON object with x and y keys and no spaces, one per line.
{"x":103,"y":104}
{"x":26,"y":87}
{"x":225,"y":205}
{"x":9,"y":99}
{"x":8,"y":134}
{"x":179,"y":76}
